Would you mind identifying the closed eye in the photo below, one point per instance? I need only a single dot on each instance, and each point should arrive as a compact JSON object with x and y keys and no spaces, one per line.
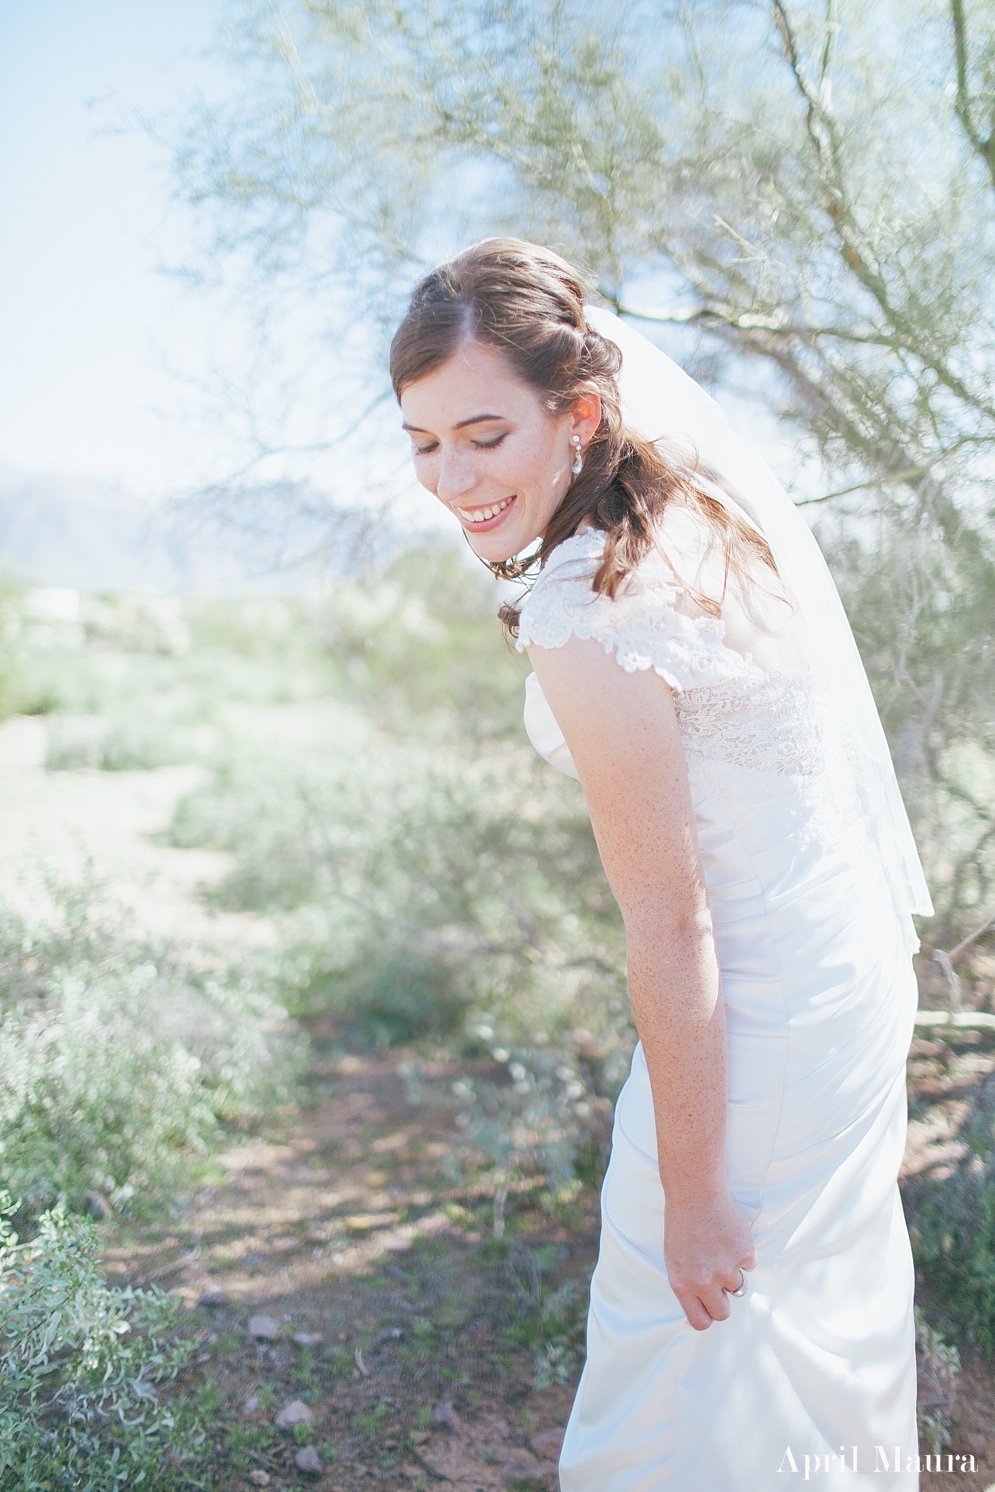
{"x":480,"y":445}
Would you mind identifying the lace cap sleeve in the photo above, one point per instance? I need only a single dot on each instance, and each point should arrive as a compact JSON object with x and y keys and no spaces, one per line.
{"x":644,"y":627}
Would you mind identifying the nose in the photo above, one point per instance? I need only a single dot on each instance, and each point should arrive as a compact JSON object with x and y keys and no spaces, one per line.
{"x":457,"y":475}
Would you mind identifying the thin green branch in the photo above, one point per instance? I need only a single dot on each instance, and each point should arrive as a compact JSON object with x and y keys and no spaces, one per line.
{"x":911,"y":475}
{"x":752,"y":321}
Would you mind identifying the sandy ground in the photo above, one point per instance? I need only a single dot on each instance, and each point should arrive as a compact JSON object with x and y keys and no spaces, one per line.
{"x":62,"y":826}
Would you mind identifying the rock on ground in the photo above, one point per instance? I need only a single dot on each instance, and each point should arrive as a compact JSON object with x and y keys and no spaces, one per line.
{"x":264,"y":1328}
{"x":293,"y":1414}
{"x":444,"y":1418}
{"x":308,"y":1461}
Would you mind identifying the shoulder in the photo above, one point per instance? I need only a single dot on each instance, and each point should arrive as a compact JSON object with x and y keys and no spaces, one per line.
{"x":565,"y":587}
{"x":575,"y":559}
{"x":562,"y":599}
{"x":651,"y":624}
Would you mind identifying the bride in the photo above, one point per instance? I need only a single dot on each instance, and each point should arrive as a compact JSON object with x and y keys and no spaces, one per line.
{"x":751,"y":1309}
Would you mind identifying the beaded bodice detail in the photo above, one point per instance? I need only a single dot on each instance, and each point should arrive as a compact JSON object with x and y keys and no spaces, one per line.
{"x":729,"y":709}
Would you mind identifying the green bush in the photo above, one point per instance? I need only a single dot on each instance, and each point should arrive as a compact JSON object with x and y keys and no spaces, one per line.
{"x":391,"y":999}
{"x":422,"y":652}
{"x":951,"y":1218}
{"x":128,"y":744}
{"x":447,"y":897}
{"x":953,"y":1230}
{"x":434,"y":882}
{"x":549,"y":1321}
{"x":119,"y":1060}
{"x":83,"y":1368}
{"x":26,"y":686}
{"x":938,"y":1365}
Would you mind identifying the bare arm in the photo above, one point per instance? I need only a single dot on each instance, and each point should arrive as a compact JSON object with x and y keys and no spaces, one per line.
{"x":622,"y":732}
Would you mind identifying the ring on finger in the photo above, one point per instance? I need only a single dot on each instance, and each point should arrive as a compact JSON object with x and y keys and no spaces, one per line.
{"x":743,"y":1287}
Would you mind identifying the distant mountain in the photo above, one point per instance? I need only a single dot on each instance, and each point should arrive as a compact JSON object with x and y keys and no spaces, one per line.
{"x":91,"y":536}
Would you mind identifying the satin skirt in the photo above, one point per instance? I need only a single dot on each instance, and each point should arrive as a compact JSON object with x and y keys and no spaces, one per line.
{"x":813,"y":1375}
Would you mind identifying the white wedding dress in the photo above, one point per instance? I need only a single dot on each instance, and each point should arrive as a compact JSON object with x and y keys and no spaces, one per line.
{"x":817,"y":1360}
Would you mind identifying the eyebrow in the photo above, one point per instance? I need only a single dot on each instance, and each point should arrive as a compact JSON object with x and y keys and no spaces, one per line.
{"x":475,"y":419}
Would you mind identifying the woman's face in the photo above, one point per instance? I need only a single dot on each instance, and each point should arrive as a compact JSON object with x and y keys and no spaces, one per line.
{"x":484,"y":444}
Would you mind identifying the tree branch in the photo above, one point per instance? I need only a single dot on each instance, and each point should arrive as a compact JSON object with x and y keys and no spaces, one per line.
{"x":899,"y":476}
{"x":751,"y":321}
{"x":984,"y":148}
{"x":856,"y":252}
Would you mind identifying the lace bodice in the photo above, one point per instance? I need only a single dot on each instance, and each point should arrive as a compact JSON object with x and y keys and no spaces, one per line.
{"x":729,"y":708}
{"x":767,"y":723}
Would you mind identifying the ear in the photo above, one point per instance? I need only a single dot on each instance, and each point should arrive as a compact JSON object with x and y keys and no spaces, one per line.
{"x":585,"y":413}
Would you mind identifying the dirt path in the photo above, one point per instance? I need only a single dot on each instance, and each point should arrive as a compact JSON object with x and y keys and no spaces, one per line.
{"x":387,"y":1308}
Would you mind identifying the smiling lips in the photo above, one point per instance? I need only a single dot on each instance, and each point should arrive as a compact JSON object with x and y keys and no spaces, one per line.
{"x":478,"y":516}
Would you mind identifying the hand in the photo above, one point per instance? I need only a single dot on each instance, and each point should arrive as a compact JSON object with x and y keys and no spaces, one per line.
{"x":707,"y":1241}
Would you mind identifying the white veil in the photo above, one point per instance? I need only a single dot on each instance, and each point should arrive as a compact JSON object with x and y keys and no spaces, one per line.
{"x":661,"y":402}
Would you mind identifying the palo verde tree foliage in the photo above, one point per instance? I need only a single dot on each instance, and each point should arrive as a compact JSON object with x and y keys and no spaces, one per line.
{"x":807,"y":184}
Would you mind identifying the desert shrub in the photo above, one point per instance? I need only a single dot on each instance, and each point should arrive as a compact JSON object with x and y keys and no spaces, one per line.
{"x":952,"y":1221}
{"x":26,"y":686}
{"x":421,"y":649}
{"x":435,"y":883}
{"x":452,"y":897}
{"x":483,"y":865}
{"x":922,"y":612}
{"x":547,"y":1319}
{"x":938,"y":1365}
{"x":126,"y":744}
{"x":386,"y":1001}
{"x":951,"y":1215}
{"x":83,"y":1367}
{"x":145,"y":686}
{"x":136,"y":622}
{"x":119,"y":1060}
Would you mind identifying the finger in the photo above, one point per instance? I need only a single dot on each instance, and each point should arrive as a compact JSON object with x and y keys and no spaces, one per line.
{"x":716,"y":1302}
{"x":693,"y":1309}
{"x":734,"y":1279}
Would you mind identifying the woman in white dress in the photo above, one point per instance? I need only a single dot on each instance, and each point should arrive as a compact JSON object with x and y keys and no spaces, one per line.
{"x":751,"y":1309}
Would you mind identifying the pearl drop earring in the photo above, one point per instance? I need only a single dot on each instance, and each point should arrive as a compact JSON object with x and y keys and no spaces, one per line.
{"x":578,"y":461}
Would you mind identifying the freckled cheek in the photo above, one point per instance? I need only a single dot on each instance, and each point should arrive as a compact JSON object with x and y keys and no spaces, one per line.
{"x":529,"y":477}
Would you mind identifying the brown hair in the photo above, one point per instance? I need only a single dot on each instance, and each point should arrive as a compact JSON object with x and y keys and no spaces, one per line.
{"x":529,"y":303}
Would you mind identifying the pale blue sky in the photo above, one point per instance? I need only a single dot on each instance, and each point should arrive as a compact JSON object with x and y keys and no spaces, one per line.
{"x":95,"y":342}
